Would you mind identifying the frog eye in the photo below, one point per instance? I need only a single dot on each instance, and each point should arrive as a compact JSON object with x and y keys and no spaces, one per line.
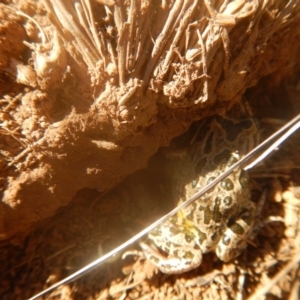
{"x":194,"y":183}
{"x":244,"y":179}
{"x":226,"y":240}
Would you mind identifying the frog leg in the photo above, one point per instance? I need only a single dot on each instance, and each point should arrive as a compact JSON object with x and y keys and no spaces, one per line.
{"x":181,"y":245}
{"x":172,"y":264}
{"x":235,"y":237}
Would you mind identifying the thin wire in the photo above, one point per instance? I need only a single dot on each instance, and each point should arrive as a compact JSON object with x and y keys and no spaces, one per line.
{"x":274,"y":146}
{"x":100,"y":260}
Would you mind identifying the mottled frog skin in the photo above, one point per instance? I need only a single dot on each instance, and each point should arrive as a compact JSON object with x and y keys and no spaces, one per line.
{"x":222,"y":219}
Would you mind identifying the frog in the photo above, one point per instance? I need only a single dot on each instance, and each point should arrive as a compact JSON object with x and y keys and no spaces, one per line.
{"x":220,"y":221}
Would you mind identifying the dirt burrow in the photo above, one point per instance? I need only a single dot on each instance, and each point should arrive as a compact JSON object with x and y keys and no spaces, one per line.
{"x":75,"y":116}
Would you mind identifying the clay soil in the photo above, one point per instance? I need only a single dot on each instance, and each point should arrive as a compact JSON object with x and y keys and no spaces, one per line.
{"x":93,"y":224}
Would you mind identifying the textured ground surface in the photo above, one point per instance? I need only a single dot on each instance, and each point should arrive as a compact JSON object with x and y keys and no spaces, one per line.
{"x":73,"y":118}
{"x":94,"y":224}
{"x":70,"y":126}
